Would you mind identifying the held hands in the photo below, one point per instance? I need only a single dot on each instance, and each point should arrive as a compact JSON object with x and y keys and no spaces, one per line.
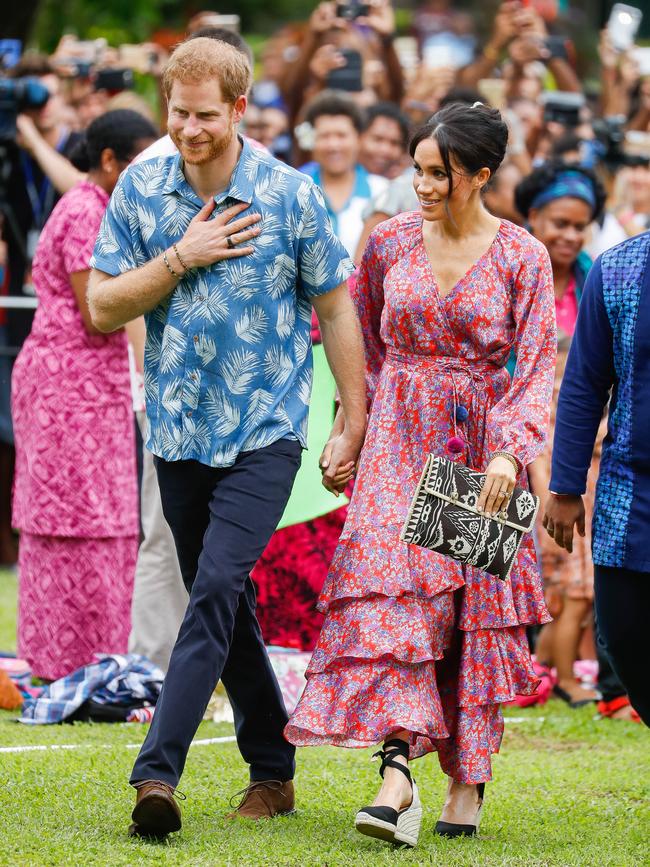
{"x":208,"y":241}
{"x":562,"y":514}
{"x":339,"y":458}
{"x":498,"y":486}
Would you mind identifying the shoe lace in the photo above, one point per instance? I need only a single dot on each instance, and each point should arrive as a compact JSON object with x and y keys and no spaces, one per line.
{"x":172,"y":791}
{"x":276,"y":785}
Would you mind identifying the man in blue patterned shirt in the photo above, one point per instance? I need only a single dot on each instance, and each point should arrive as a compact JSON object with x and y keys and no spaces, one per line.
{"x":609,"y":360}
{"x":225,"y":249}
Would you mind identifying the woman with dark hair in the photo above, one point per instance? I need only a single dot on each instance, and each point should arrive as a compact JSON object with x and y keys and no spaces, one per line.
{"x":75,"y":490}
{"x":419,"y":650}
{"x":560,"y":202}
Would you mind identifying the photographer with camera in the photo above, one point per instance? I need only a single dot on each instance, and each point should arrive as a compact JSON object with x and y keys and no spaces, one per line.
{"x":39,"y":172}
{"x":341,"y":39}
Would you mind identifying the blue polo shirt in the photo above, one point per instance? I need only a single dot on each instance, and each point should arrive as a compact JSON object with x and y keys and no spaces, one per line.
{"x":228,"y":364}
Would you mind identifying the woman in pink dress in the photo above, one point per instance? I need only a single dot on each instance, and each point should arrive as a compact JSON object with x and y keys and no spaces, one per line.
{"x":75,"y":490}
{"x":417,"y":649}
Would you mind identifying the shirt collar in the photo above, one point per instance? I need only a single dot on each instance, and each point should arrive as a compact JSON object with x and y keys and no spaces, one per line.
{"x":361,"y":188}
{"x":242,"y":180}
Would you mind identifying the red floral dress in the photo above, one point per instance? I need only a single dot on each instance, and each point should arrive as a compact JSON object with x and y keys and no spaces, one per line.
{"x":413,"y":640}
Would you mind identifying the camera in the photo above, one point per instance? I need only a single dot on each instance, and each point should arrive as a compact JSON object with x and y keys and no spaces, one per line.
{"x":352,"y":10}
{"x":563,"y":107}
{"x":348,"y":77}
{"x":16,"y":95}
{"x":611,"y":138}
{"x":113,"y":79}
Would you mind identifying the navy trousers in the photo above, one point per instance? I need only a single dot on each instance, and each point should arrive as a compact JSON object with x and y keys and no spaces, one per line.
{"x":622,"y":600}
{"x":221,"y":520}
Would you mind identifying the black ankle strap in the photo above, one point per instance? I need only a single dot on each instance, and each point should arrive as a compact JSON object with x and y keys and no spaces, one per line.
{"x":393,"y":748}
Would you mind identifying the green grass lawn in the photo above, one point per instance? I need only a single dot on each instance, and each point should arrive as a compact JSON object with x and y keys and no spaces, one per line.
{"x":8,"y":591}
{"x":568,"y":790}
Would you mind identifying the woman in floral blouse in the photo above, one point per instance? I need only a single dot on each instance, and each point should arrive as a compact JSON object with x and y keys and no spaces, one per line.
{"x":419,"y":650}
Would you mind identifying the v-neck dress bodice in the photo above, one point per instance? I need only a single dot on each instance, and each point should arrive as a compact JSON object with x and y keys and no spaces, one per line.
{"x":391,"y":608}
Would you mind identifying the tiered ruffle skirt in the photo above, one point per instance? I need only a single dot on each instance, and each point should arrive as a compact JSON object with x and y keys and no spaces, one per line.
{"x":414,"y":641}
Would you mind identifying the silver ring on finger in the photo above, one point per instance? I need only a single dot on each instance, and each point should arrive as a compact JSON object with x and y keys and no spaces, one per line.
{"x":230,"y":243}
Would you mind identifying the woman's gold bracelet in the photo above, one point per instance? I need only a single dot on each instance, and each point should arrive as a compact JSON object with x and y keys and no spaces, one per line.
{"x":513,"y":460}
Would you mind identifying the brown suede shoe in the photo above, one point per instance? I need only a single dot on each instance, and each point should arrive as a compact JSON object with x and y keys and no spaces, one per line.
{"x":156,"y":812}
{"x":264,"y":799}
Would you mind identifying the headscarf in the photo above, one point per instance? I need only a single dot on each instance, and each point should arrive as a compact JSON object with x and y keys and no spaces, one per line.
{"x":570,"y":183}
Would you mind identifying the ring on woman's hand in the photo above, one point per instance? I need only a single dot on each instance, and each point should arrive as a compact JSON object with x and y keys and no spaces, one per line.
{"x":229,"y":242}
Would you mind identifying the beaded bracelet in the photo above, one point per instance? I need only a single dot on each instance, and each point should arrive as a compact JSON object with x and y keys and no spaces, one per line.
{"x":169,"y":267}
{"x":179,"y":257}
{"x":513,"y":460}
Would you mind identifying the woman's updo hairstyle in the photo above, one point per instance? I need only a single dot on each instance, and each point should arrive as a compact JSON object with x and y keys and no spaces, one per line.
{"x":119,"y":130}
{"x":528,"y":191}
{"x":476,"y":136}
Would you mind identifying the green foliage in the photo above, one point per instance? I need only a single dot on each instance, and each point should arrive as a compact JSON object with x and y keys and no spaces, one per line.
{"x":135,"y":20}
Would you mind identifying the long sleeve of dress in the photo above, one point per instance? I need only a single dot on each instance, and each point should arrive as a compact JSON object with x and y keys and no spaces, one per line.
{"x":518,"y":422}
{"x":368,"y":296}
{"x":585,"y":389}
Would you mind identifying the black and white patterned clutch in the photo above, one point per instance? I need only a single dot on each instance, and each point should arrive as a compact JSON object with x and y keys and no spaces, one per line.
{"x":444,"y":518}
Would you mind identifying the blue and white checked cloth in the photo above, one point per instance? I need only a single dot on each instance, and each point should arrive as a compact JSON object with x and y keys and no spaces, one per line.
{"x":117,"y":680}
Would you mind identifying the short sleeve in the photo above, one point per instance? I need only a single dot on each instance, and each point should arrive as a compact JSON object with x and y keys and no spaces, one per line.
{"x":323,"y":262}
{"x":116,"y":248}
{"x":80,"y":239}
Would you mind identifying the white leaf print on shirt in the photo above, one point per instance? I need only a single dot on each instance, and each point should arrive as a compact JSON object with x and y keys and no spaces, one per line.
{"x":300,"y":347}
{"x":257,"y":407}
{"x":286,"y":319}
{"x":225,"y":456}
{"x":271,"y":190}
{"x":315,"y":265}
{"x":270,"y":234}
{"x":280,"y":275}
{"x":169,"y":441}
{"x":243,"y":280}
{"x":176,"y":216}
{"x":173,"y":349}
{"x":304,"y":387}
{"x":223,"y":414}
{"x":205,"y":348}
{"x":252,"y":324}
{"x":172,"y":396}
{"x":147,"y":221}
{"x":107,"y":244}
{"x":238,"y":368}
{"x":196,"y":435}
{"x":278,"y":366}
{"x":309,"y":225}
{"x":148,"y":177}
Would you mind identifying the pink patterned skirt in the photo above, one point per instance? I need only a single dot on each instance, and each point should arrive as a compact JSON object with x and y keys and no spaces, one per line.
{"x":74,"y":600}
{"x":410,"y":662}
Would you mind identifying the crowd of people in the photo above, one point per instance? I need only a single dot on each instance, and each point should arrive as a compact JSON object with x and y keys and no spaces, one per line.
{"x":337,"y":98}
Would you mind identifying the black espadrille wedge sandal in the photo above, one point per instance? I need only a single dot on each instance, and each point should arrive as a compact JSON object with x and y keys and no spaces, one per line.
{"x":401,"y":827}
{"x":451,"y":829}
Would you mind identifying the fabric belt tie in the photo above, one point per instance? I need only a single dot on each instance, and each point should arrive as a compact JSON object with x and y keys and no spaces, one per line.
{"x":477,"y":374}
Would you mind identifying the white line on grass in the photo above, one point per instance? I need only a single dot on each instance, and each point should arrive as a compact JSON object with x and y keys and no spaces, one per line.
{"x":203,"y":742}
